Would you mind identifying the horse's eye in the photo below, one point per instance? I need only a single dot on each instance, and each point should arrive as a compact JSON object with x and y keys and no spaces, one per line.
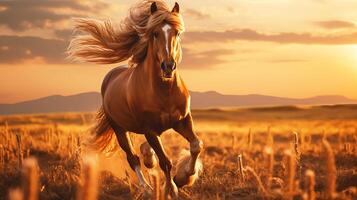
{"x":178,"y":34}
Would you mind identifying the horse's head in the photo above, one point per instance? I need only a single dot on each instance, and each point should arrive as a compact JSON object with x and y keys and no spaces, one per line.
{"x":166,"y":38}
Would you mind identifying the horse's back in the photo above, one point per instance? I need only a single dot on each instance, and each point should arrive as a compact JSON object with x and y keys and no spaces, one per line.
{"x":110,"y":76}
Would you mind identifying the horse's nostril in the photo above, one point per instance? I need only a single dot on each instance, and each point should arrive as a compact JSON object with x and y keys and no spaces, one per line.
{"x":163,"y":66}
{"x":168,"y":66}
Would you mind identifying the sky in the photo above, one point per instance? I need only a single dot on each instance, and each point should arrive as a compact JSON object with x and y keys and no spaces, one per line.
{"x":286,"y":48}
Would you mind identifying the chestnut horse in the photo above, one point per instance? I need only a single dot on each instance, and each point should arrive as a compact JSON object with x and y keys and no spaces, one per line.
{"x":149,"y":96}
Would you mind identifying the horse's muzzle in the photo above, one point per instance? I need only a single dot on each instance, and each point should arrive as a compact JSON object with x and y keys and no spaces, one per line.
{"x":168,"y":68}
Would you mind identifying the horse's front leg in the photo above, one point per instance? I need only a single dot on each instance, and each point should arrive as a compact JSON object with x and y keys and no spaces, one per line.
{"x":187,"y":171}
{"x":164,"y":162}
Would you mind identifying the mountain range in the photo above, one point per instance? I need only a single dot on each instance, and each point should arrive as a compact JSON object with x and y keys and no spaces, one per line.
{"x":90,"y":101}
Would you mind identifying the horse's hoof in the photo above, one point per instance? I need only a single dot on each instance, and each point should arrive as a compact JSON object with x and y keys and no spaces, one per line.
{"x":185,"y":179}
{"x":171,"y":189}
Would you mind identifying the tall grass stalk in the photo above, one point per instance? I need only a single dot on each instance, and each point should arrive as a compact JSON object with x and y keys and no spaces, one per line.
{"x":30,"y":179}
{"x":88,"y":185}
{"x":297,"y":152}
{"x":250,"y":138}
{"x":70,"y":145}
{"x":241,"y":168}
{"x":269,"y":159}
{"x":270,"y":138}
{"x":289,"y":173}
{"x":309,"y":183}
{"x":20,"y":156}
{"x":233,"y":141}
{"x":296,"y":145}
{"x":330,"y":191}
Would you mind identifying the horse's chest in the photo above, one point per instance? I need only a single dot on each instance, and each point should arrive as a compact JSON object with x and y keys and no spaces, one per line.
{"x":162,"y":119}
{"x":174,"y":114}
{"x":159,"y":114}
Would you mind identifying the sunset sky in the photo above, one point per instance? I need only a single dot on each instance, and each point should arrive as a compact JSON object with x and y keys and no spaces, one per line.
{"x":288,"y":48}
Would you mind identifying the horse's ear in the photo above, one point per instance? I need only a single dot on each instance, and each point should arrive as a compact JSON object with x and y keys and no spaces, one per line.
{"x":176,"y":8}
{"x":153,"y":7}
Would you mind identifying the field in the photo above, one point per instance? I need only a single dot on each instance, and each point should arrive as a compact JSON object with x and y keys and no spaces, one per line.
{"x":250,"y":153}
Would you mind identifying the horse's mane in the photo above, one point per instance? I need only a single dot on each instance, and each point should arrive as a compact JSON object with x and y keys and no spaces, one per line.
{"x":105,"y":44}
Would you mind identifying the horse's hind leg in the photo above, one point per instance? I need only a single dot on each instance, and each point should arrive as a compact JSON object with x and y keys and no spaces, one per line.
{"x":133,"y":160}
{"x":188,"y":168}
{"x":164,"y":162}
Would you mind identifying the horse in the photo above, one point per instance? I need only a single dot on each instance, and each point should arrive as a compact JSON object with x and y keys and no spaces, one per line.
{"x":148,"y":96}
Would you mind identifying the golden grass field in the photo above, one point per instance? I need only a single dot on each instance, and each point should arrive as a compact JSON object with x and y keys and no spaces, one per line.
{"x":250,"y":153}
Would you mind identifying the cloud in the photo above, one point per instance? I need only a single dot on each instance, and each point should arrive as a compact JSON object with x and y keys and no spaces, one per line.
{"x":16,"y":49}
{"x":205,"y":59}
{"x":64,"y":33}
{"x":196,"y":14}
{"x":335,"y":24}
{"x":21,"y":15}
{"x":252,"y":35}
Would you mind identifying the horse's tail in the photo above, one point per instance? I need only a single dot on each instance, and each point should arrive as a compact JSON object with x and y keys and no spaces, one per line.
{"x":103,"y":137}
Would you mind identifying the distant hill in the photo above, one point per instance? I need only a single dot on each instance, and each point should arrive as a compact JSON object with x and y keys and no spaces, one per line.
{"x":212,"y":99}
{"x":92,"y":100}
{"x":57,"y":103}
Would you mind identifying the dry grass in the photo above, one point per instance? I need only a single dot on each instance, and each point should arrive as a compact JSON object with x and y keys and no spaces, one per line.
{"x":317,"y":161}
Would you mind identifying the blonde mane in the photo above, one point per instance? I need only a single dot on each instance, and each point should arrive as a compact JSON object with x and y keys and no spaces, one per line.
{"x":102,"y":43}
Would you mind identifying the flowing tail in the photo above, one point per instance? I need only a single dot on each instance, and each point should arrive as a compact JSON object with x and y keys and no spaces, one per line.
{"x":103,"y":137}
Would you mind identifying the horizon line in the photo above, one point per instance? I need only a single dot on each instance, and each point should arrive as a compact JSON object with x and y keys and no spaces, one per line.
{"x":207,"y":91}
